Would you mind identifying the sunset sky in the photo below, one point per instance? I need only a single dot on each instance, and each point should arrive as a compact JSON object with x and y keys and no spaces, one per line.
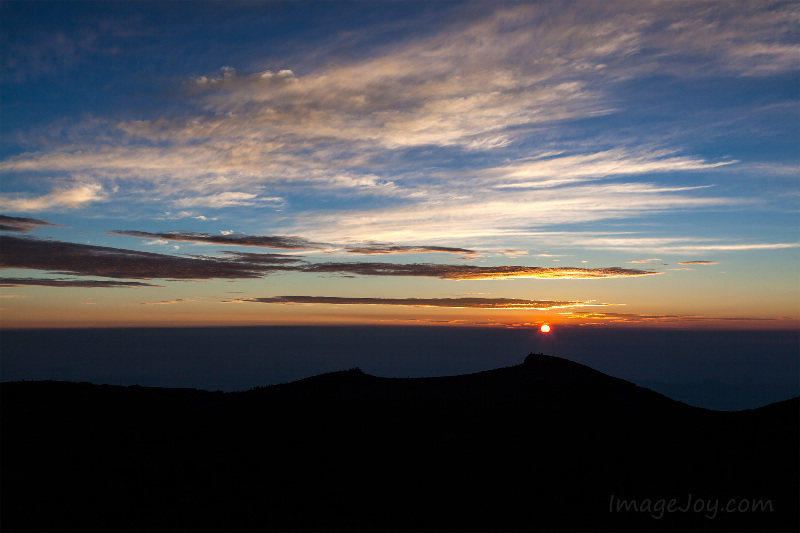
{"x":479,"y":163}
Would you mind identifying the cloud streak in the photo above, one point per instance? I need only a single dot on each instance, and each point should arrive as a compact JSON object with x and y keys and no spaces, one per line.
{"x":21,"y":224}
{"x":288,"y":242}
{"x":634,"y":318}
{"x":285,"y":242}
{"x":80,"y":283}
{"x":170,"y":302}
{"x":460,"y":303}
{"x":471,"y":272}
{"x":89,"y":260}
{"x":494,"y":214}
{"x":61,"y":198}
{"x":381,"y":249}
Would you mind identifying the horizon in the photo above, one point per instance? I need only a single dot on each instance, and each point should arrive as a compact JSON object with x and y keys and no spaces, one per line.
{"x":502,"y":165}
{"x":723,"y":370}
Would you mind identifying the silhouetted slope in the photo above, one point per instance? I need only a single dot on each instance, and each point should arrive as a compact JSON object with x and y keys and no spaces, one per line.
{"x":544,"y":445}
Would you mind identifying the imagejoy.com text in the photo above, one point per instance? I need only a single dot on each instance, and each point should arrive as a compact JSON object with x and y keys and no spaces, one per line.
{"x":709,"y":507}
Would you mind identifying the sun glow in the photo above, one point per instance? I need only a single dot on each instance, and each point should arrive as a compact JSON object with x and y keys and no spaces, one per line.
{"x":545,"y":328}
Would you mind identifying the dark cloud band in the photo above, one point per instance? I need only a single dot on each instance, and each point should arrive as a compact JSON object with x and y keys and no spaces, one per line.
{"x":87,"y":260}
{"x":20,"y":224}
{"x":291,"y":243}
{"x":378,"y":249}
{"x":468,"y":303}
{"x":268,"y":241}
{"x":81,"y":283}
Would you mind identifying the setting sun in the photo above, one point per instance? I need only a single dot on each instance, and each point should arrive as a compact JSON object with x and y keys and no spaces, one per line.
{"x":545,"y":328}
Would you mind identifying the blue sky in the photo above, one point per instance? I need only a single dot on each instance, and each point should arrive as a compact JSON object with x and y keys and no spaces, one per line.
{"x":600,"y":162}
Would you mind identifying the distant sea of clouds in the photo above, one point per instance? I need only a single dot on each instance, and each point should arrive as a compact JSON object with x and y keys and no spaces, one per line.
{"x":726,"y":370}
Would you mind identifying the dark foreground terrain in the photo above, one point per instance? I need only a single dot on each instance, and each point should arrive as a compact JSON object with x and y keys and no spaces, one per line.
{"x":545,"y":445}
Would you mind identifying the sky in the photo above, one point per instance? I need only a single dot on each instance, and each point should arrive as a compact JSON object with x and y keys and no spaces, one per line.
{"x":498,"y":164}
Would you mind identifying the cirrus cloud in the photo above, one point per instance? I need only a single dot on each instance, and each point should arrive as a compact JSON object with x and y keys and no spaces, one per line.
{"x":60,"y":198}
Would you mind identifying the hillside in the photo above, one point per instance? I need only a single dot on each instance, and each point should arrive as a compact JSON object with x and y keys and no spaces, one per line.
{"x":545,"y":445}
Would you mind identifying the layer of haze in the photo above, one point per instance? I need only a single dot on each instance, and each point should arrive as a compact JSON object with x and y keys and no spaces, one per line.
{"x":727,"y":370}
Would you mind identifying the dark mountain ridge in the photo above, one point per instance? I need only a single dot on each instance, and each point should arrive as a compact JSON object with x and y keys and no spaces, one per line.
{"x":545,"y":445}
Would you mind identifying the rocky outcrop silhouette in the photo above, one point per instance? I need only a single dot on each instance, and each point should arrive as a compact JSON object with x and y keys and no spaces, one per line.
{"x":545,"y":445}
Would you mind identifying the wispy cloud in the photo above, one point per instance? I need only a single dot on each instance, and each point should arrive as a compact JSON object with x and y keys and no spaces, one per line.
{"x":697,"y":263}
{"x":263,"y":259}
{"x":493,"y":214}
{"x":464,"y":303}
{"x":288,"y":242}
{"x":226,"y":199}
{"x":88,"y":260}
{"x":380,"y":249}
{"x":21,"y":224}
{"x":170,"y":302}
{"x":82,"y":283}
{"x":72,"y":197}
{"x":644,"y":318}
{"x":285,"y":242}
{"x":731,"y":247}
{"x":476,"y":85}
{"x":557,"y":170}
{"x":471,"y":272}
{"x":651,"y":260}
{"x":634,"y":242}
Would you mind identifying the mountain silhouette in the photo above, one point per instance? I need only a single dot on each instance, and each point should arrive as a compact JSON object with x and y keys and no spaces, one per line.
{"x":545,"y":445}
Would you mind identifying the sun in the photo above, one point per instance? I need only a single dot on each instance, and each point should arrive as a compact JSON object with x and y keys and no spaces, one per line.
{"x":545,"y":328}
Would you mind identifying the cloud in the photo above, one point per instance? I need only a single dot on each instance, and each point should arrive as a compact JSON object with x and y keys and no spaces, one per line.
{"x":224,"y":199}
{"x":634,"y":242}
{"x":477,"y":83}
{"x":557,"y":170}
{"x":634,"y":318}
{"x":88,"y":260}
{"x":67,"y":198}
{"x":730,"y":247}
{"x":286,"y":242}
{"x":59,"y":282}
{"x":378,"y":248}
{"x":471,"y":272}
{"x":169,"y":215}
{"x":22,"y":225}
{"x":45,"y":50}
{"x":697,"y":263}
{"x":487,"y":213}
{"x":465,"y":303}
{"x":263,"y":259}
{"x":169,"y":302}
